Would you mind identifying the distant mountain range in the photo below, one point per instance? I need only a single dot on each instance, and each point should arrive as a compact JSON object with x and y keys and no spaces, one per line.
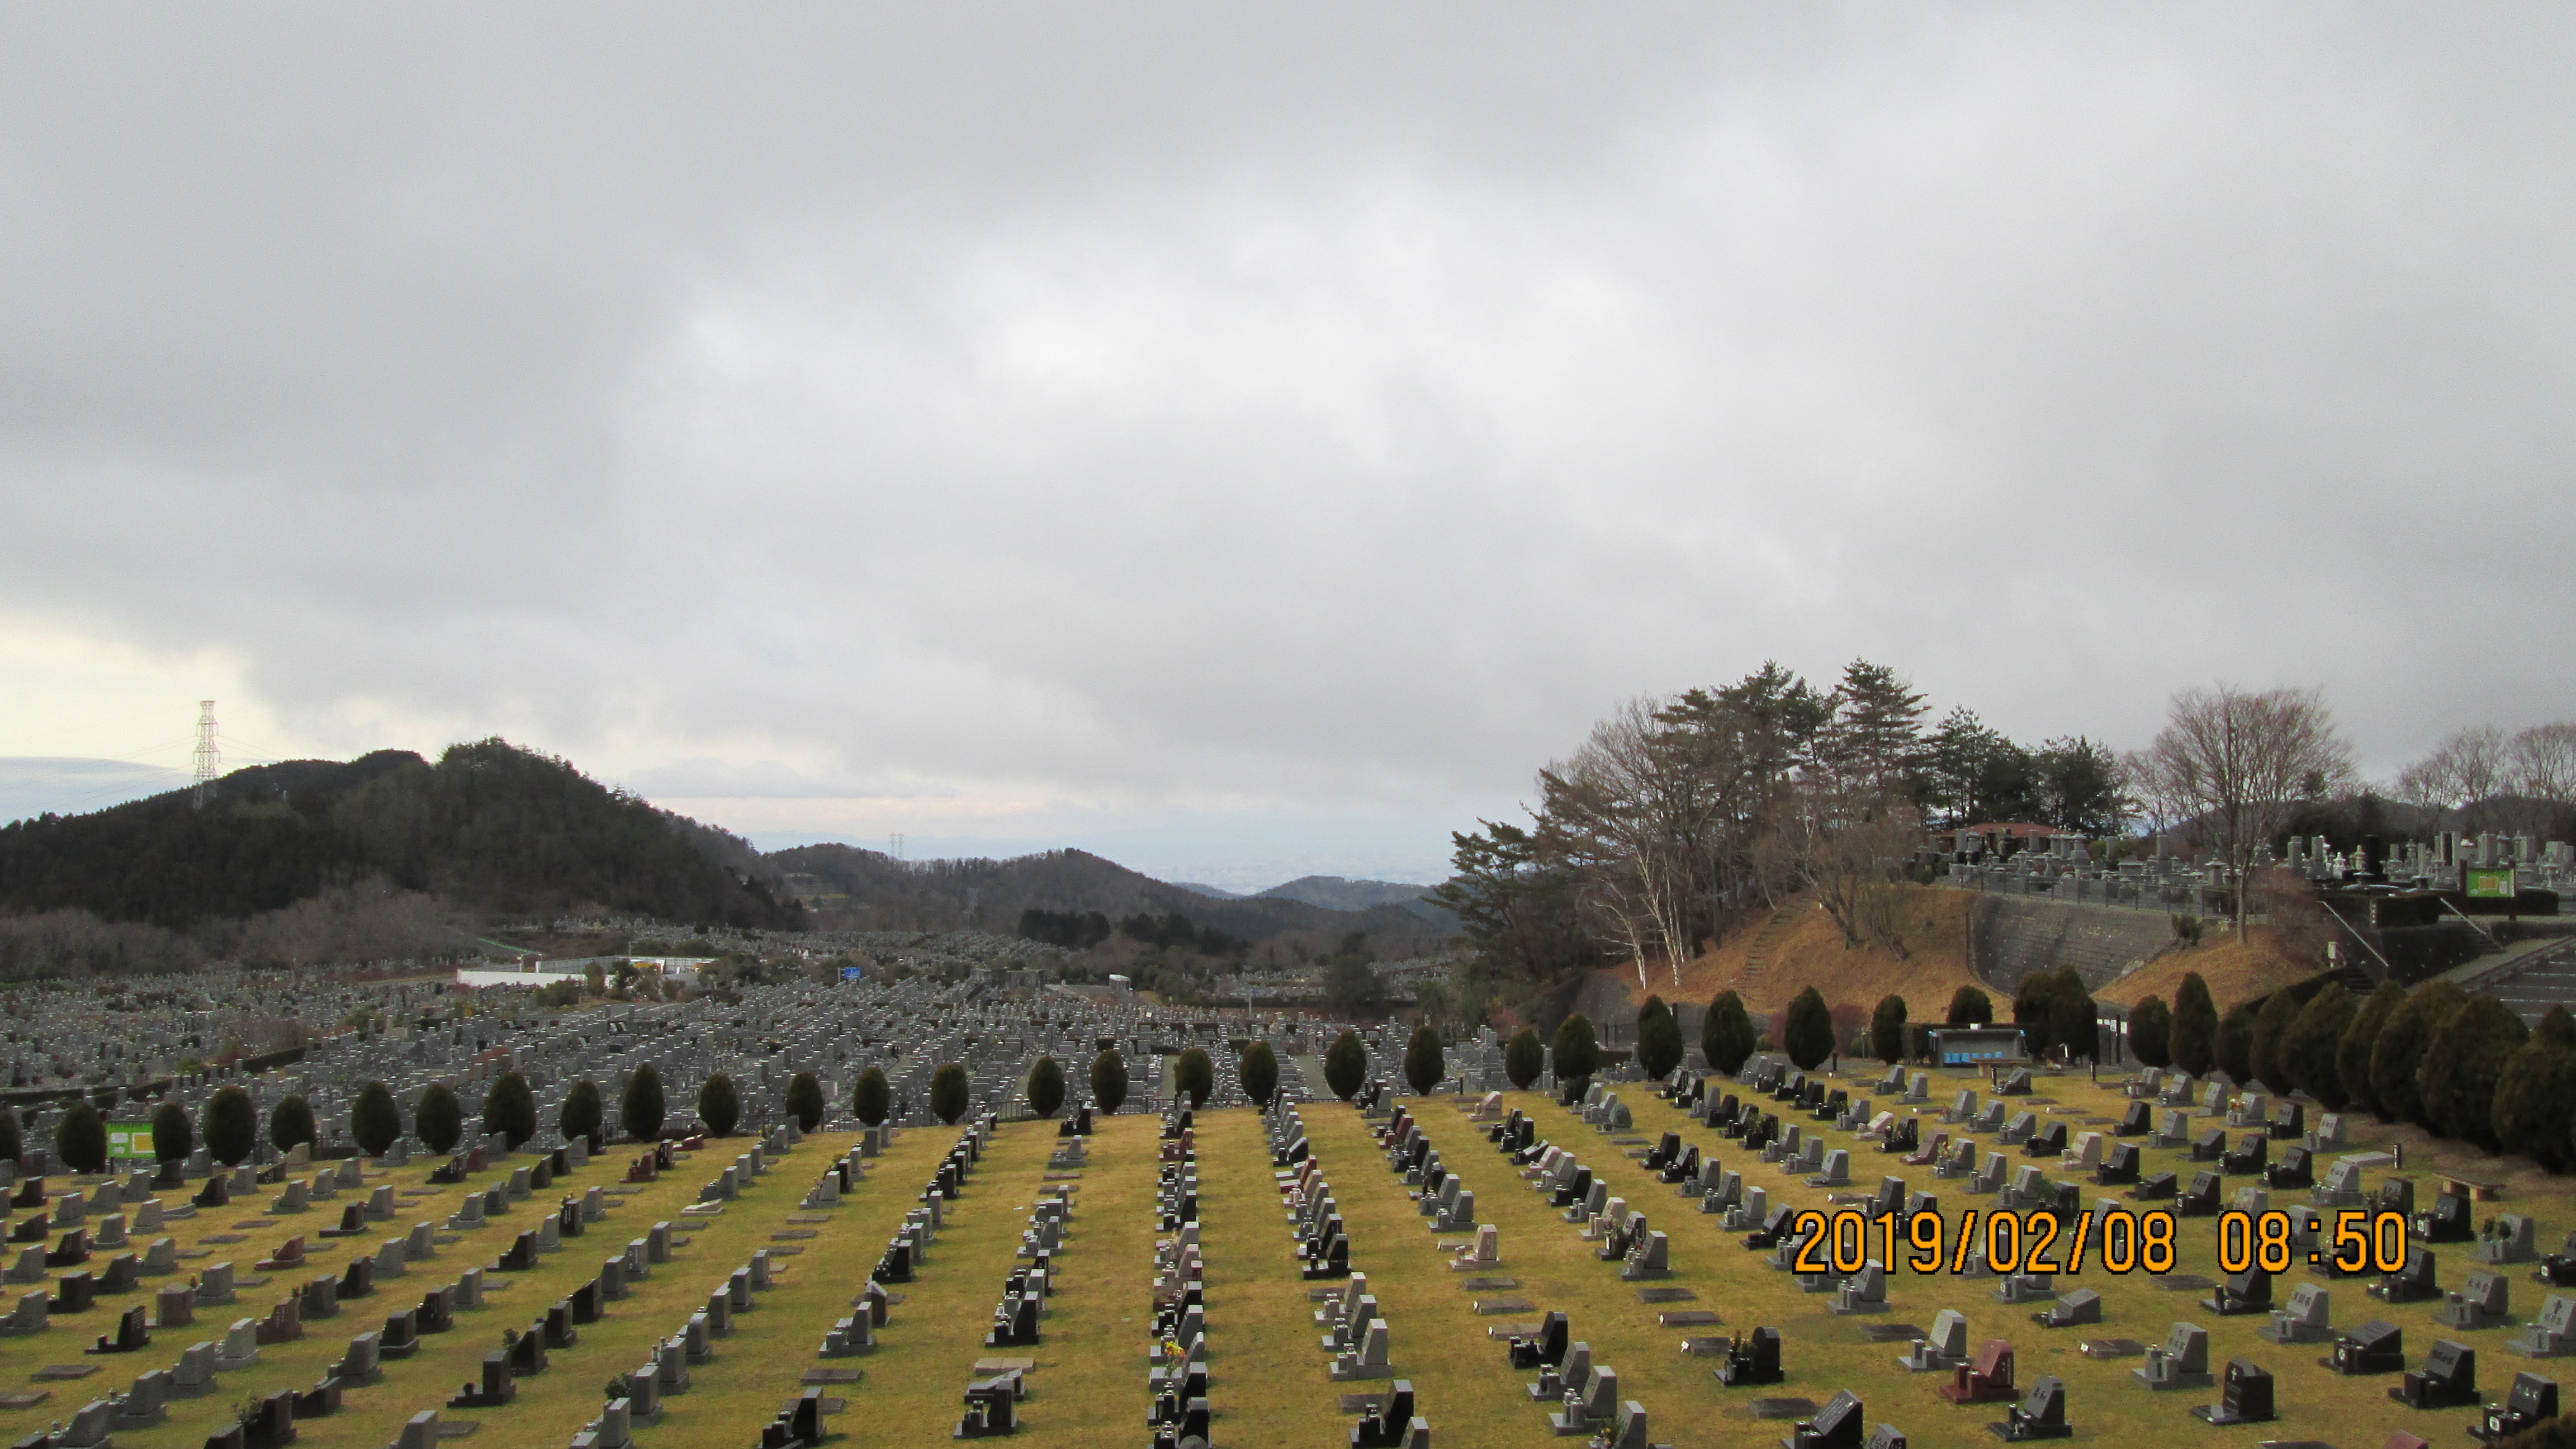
{"x":1335,"y":893}
{"x":884,"y":892}
{"x":491,"y":828}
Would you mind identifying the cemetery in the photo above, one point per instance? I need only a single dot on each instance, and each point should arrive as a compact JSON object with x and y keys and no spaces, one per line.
{"x":1187,"y":1252}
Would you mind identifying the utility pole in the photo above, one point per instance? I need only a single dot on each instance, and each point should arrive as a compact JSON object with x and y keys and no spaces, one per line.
{"x":210,"y":761}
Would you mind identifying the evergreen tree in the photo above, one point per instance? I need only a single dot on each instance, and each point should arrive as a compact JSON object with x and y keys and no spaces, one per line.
{"x":80,"y":1139}
{"x":805,"y":1101}
{"x":871,"y":1098}
{"x":174,"y":1137}
{"x":2195,"y":1026}
{"x":1808,"y":1035}
{"x":1046,"y":1086}
{"x":1877,"y":732}
{"x":2532,"y":1095}
{"x":12,"y":1144}
{"x":232,"y":1125}
{"x":949,"y":1093}
{"x":1970,"y":1007}
{"x":1659,"y":1040}
{"x":579,"y":1115}
{"x":2235,"y":1043}
{"x":1726,"y":1034}
{"x":2151,"y":1032}
{"x":1578,"y":1054}
{"x":511,"y":1110}
{"x":1423,"y":1065}
{"x":2271,"y":1029}
{"x":641,"y":1110}
{"x":718,"y":1105}
{"x":2073,"y":1020}
{"x":375,"y":1123}
{"x":1194,"y":1076}
{"x":2352,"y":1054}
{"x":1524,"y":1058}
{"x":290,"y":1122}
{"x":1109,"y":1081}
{"x":1259,"y":1072}
{"x":2031,"y":1002}
{"x":1345,"y":1065}
{"x":2462,"y":1061}
{"x":438,"y":1121}
{"x":2309,"y":1048}
{"x":1887,"y":1029}
{"x":2400,"y":1049}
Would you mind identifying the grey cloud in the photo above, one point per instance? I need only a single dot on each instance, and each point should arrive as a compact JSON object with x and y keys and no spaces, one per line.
{"x":1250,"y":410}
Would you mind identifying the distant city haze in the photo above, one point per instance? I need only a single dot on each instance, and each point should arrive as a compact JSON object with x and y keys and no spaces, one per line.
{"x":1249,"y":442}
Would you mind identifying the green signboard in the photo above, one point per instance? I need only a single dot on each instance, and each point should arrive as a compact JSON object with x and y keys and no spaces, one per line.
{"x":129,"y":1139}
{"x":2490,"y":882}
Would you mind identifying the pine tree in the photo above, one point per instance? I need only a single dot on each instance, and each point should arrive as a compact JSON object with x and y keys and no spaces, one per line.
{"x":2352,"y":1054}
{"x":2151,"y":1032}
{"x":511,"y":1110}
{"x":2195,"y":1026}
{"x":1194,"y":1076}
{"x":1345,"y":1065}
{"x":1726,"y":1035}
{"x":1046,"y":1087}
{"x":174,"y":1137}
{"x":871,"y":1098}
{"x":80,"y":1139}
{"x":375,"y":1123}
{"x":2271,"y":1027}
{"x":581,"y":1112}
{"x":2309,"y":1049}
{"x":1578,"y":1054}
{"x":719,"y":1107}
{"x":1109,"y":1081}
{"x":949,"y":1093}
{"x":1887,"y":1029}
{"x":290,"y":1122}
{"x":232,"y":1125}
{"x":1808,"y":1035}
{"x":1659,"y":1040}
{"x":1877,"y":733}
{"x":438,"y":1121}
{"x":641,"y":1110}
{"x":1423,"y":1064}
{"x":2073,"y":1021}
{"x":2462,"y":1061}
{"x":2400,"y":1049}
{"x":805,"y":1101}
{"x":1524,"y":1058}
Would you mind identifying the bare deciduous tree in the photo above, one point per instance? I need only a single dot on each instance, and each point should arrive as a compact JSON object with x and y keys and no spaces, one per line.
{"x":2235,"y":763}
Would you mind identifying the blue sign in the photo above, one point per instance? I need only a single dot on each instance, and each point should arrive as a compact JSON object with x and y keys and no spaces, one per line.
{"x":853,"y":973}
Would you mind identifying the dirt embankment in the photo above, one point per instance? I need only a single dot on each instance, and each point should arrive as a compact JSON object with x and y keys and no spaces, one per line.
{"x":1768,"y":961}
{"x":2234,"y":970}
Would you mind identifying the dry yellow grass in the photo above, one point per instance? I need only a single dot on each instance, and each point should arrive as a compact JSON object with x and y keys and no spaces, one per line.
{"x":2234,"y":971}
{"x":1811,"y":951}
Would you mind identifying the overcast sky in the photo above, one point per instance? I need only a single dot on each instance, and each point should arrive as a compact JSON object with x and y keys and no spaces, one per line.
{"x":1252,"y":440}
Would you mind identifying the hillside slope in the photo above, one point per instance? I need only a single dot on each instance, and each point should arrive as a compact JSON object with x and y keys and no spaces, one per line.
{"x":886,"y":893}
{"x":1807,"y":949}
{"x":489,"y":827}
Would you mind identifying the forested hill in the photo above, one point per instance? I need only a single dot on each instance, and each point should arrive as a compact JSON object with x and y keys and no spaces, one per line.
{"x":889,"y":893}
{"x":490,"y":826}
